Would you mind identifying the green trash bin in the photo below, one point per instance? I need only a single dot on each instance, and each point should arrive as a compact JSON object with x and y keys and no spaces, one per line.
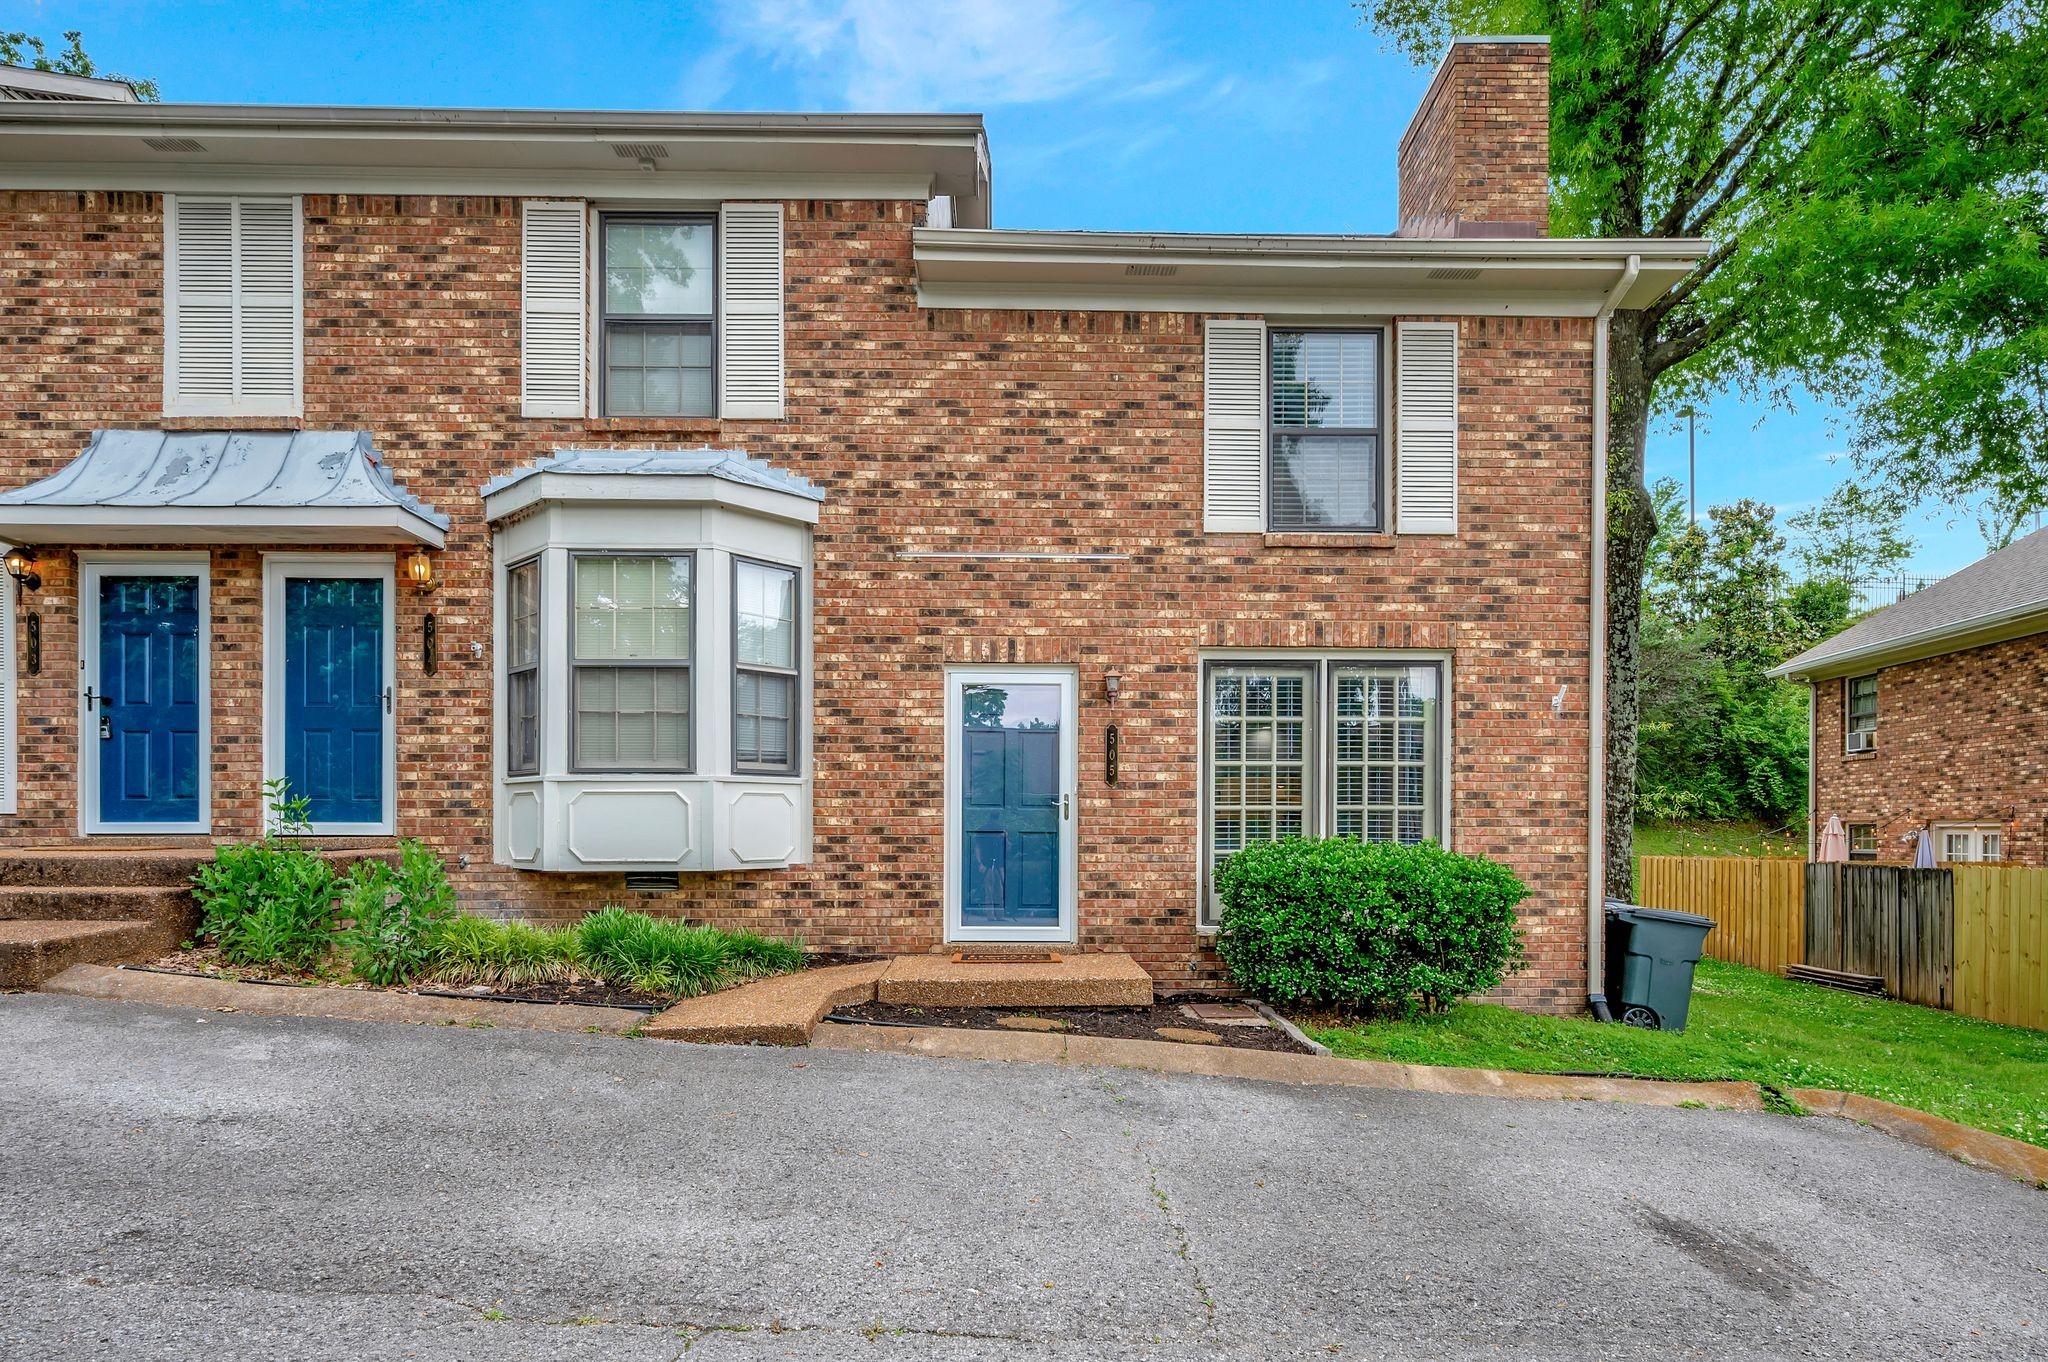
{"x":1650,"y":957}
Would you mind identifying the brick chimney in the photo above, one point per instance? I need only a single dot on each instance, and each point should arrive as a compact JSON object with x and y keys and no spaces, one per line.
{"x":1475,"y":160}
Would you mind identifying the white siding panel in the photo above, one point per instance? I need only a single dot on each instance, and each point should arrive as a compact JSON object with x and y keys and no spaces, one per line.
{"x":552,"y":329}
{"x":1426,"y":433}
{"x":1234,"y":426}
{"x":750,"y":341}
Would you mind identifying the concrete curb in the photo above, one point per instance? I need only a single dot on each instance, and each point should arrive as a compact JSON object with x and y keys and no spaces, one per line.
{"x":342,"y":1004}
{"x":778,"y":1011}
{"x":1218,"y":1061}
{"x":1965,"y":1144}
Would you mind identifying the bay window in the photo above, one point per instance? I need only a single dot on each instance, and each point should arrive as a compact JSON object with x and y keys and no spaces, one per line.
{"x":1326,"y":746}
{"x":522,"y":668}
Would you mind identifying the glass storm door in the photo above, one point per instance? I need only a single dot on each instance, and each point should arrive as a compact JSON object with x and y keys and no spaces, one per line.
{"x":336,"y":703}
{"x":148,"y":705}
{"x":1011,"y":788}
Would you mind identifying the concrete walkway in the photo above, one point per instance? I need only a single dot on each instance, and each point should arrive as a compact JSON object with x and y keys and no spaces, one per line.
{"x":189,"y":1185}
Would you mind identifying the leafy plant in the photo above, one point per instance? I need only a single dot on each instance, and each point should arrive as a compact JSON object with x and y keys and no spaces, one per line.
{"x":479,"y":950}
{"x":395,"y":915}
{"x":662,"y":955}
{"x":269,"y":903}
{"x":1366,"y":926}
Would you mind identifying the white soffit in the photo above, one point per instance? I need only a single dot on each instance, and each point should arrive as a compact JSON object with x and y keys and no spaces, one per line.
{"x":1290,"y":275}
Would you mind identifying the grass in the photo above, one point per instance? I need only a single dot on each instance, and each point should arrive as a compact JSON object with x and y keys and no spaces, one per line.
{"x":1747,"y":1024}
{"x":1710,"y":838}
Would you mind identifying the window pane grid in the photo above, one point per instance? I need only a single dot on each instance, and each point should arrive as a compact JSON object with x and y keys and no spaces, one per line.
{"x":1383,"y":767}
{"x":632,"y":608}
{"x":1259,"y":749}
{"x":764,"y":666}
{"x":658,"y":310}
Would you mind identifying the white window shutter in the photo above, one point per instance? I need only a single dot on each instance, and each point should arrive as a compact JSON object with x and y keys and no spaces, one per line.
{"x":7,"y":684}
{"x":1234,"y":426}
{"x":553,"y":291}
{"x":750,"y":367}
{"x":1426,"y":434}
{"x":233,"y":343}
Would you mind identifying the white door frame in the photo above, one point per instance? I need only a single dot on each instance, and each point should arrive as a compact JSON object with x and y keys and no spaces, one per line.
{"x":957,"y":679}
{"x":93,"y":565}
{"x":277,"y":567}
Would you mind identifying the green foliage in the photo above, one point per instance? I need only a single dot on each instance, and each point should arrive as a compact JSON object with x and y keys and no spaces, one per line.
{"x":1748,"y":1024}
{"x":269,"y":904}
{"x":1366,"y":926}
{"x":481,"y":950}
{"x":26,"y":49}
{"x":662,"y":955}
{"x":395,"y":916}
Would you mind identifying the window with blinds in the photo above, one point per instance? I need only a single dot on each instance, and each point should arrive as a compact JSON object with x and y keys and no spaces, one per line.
{"x":764,"y":667}
{"x":1321,"y":747}
{"x":232,"y":306}
{"x":1324,"y":446}
{"x":522,"y":668}
{"x":630,"y":662}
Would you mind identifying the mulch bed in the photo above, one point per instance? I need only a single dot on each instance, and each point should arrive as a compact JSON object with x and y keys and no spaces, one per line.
{"x":1123,"y":1023}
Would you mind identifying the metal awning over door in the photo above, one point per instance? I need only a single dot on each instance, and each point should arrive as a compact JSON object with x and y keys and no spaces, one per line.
{"x":221,"y":487}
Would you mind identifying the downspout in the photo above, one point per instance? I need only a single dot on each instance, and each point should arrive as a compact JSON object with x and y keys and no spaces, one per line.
{"x":1596,"y":799}
{"x":1812,"y":761}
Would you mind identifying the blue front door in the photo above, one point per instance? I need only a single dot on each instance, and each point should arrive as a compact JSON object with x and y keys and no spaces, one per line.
{"x":335,"y":702}
{"x":148,"y":705}
{"x":1010,"y":814}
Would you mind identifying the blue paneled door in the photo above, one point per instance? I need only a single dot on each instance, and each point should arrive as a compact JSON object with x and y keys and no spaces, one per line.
{"x":335,"y":701}
{"x":148,"y":703}
{"x":1011,"y":819}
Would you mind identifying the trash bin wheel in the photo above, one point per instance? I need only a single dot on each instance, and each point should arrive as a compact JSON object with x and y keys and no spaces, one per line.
{"x":1639,"y":1016}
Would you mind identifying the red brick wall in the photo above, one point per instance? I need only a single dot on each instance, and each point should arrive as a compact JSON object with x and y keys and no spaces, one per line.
{"x":1476,"y":159}
{"x":1961,"y":738}
{"x":928,"y":430}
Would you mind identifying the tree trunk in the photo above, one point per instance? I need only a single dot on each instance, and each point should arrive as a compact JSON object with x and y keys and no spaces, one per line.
{"x":1631,"y":525}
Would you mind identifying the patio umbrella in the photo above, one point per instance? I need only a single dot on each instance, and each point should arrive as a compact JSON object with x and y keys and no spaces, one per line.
{"x":1923,"y":851}
{"x":1834,"y":842}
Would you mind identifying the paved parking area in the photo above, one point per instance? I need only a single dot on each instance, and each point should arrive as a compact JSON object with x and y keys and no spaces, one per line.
{"x":214,"y":1186}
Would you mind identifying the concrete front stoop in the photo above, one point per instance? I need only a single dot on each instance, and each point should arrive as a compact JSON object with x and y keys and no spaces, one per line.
{"x":67,"y":906}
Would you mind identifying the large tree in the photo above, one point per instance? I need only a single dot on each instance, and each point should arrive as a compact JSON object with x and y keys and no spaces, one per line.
{"x":1869,"y":177}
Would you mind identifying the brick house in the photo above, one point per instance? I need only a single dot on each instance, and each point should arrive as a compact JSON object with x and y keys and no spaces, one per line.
{"x":805,"y":553}
{"x":1933,"y":713}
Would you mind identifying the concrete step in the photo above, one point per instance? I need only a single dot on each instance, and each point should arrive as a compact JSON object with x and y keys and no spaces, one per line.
{"x":79,"y":903}
{"x":32,"y":951}
{"x":66,"y":867}
{"x":783,"y":1010}
{"x":1097,"y":979}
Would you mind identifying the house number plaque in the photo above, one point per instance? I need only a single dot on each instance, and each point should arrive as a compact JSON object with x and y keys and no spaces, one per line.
{"x":1111,"y":746}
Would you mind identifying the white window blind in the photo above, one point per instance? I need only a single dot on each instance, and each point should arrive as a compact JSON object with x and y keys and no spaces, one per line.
{"x":233,"y":341}
{"x":553,"y":284}
{"x":750,"y":367}
{"x":1234,"y":426}
{"x":1426,"y":427}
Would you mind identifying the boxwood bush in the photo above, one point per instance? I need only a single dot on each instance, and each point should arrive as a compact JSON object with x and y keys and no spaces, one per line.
{"x":1366,"y":926}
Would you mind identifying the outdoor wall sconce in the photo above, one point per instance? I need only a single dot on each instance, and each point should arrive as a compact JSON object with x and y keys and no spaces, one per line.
{"x":21,"y":566}
{"x":419,"y":575}
{"x":1112,"y":686}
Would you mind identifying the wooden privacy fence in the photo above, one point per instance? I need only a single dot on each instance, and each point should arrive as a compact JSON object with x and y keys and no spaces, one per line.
{"x":1970,"y":938}
{"x":1755,"y":904}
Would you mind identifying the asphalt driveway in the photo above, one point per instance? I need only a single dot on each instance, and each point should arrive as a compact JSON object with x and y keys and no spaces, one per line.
{"x":187,"y":1185}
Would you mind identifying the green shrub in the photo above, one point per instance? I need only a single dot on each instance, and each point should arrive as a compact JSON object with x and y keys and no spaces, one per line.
{"x":270,"y":903}
{"x":662,"y":955}
{"x":1366,"y":926}
{"x":395,"y":915}
{"x":480,"y":950}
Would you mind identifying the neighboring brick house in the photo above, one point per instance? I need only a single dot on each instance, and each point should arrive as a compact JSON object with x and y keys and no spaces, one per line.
{"x":802,"y":547}
{"x":1933,"y":713}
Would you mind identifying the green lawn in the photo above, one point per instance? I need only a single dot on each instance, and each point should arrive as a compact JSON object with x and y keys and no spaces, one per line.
{"x":1718,"y":839}
{"x":1749,"y":1024}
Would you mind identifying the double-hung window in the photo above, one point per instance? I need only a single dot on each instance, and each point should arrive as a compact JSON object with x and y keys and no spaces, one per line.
{"x":1324,"y":442}
{"x":522,"y":668}
{"x":1859,"y":716}
{"x":630,"y":662}
{"x":659,"y":299}
{"x":1863,"y":841}
{"x":764,"y":684}
{"x":1324,"y":747}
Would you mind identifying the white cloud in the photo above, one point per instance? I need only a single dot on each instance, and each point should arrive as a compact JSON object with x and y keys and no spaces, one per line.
{"x":927,"y":54}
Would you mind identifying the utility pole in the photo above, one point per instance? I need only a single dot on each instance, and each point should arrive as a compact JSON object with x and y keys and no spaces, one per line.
{"x":1692,"y":465}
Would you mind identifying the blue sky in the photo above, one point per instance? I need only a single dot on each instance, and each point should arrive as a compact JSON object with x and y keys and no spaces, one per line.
{"x":1196,"y":115}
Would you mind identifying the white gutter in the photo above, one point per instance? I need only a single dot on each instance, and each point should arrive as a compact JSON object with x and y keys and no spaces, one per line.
{"x":1596,"y":797}
{"x":1921,"y":643}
